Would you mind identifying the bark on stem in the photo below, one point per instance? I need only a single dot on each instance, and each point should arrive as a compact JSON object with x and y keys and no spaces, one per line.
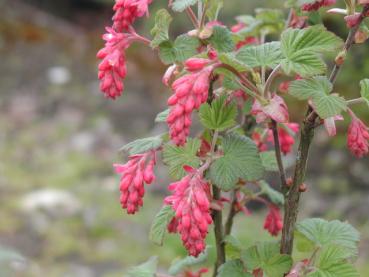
{"x":278,"y":154}
{"x":218,"y":232}
{"x":292,"y":197}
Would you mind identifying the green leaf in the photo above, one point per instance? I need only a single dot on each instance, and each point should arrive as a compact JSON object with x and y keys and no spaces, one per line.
{"x":241,"y":160}
{"x":266,"y":256}
{"x":186,"y":47}
{"x":275,"y":196}
{"x":161,"y":28}
{"x":147,"y":269}
{"x":318,"y":89}
{"x":214,"y":6}
{"x":332,"y":254}
{"x":340,"y":269}
{"x":321,"y":233}
{"x":179,"y":265}
{"x":181,"y":5}
{"x":220,"y":115}
{"x":269,"y":160}
{"x":364,"y":85}
{"x":329,"y":105}
{"x":231,"y":59}
{"x":301,"y":47}
{"x":159,"y":226}
{"x":178,"y":156}
{"x":333,"y":261}
{"x":271,"y":21}
{"x":142,"y":145}
{"x":233,"y":268}
{"x":305,"y":64}
{"x":309,"y":88}
{"x":180,"y":50}
{"x":264,"y":55}
{"x":221,"y":39}
{"x":233,"y":247}
{"x":162,"y":116}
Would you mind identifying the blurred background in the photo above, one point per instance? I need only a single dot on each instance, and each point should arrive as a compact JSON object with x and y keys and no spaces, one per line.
{"x":59,"y":201}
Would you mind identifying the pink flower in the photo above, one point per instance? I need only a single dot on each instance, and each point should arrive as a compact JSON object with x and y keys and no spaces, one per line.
{"x":352,"y":20}
{"x":190,"y":91}
{"x":196,"y":64}
{"x":273,"y":221}
{"x":247,"y":40}
{"x":330,"y":125}
{"x":169,"y":74}
{"x":137,"y":171}
{"x":259,"y":141}
{"x":190,"y":201}
{"x":358,"y":136}
{"x":317,"y":5}
{"x":276,"y":109}
{"x":286,"y":140}
{"x":127,"y":11}
{"x":199,"y":273}
{"x":112,"y":68}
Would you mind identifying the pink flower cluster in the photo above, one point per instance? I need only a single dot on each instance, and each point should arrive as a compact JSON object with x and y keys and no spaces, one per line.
{"x":273,"y":221}
{"x":286,"y":140}
{"x":276,"y":109}
{"x":358,"y":136}
{"x":190,"y":91}
{"x":317,"y":5}
{"x":112,"y":68}
{"x":134,"y":174}
{"x":190,"y":201}
{"x":247,"y":40}
{"x":127,"y":11}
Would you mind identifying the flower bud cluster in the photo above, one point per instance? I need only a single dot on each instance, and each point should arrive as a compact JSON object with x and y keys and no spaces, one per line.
{"x":127,"y":11}
{"x":273,"y":221}
{"x":358,"y":136}
{"x":317,"y":5}
{"x":134,"y":174}
{"x":190,"y":201}
{"x":190,"y":91}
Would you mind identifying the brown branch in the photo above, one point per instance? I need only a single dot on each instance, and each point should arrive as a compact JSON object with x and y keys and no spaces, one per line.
{"x":231,"y":214}
{"x":218,"y":232}
{"x":278,"y":155}
{"x":292,"y":197}
{"x":192,"y":17}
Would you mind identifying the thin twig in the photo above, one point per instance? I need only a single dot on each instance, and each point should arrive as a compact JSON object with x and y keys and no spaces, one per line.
{"x":278,"y":155}
{"x":192,"y":17}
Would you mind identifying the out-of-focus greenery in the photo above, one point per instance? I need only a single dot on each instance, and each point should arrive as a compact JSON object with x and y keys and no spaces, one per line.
{"x":59,"y":198}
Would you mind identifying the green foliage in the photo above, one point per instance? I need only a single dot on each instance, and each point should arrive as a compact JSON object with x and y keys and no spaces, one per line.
{"x":214,"y":6}
{"x":241,"y":160}
{"x":221,"y":39}
{"x":234,"y":61}
{"x":274,"y":195}
{"x":180,"y":50}
{"x":266,"y":256}
{"x":181,"y":5}
{"x":269,"y":160}
{"x":161,"y":28}
{"x":301,"y":47}
{"x":178,"y":156}
{"x":220,"y":115}
{"x":318,"y":89}
{"x":159,"y":226}
{"x":264,"y":55}
{"x":147,"y":269}
{"x":316,"y":232}
{"x":179,"y":265}
{"x":364,"y":85}
{"x":142,"y":145}
{"x":162,"y":116}
{"x":233,"y":268}
{"x":233,"y":247}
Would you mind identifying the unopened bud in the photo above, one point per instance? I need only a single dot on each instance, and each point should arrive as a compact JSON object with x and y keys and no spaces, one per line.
{"x":289,"y":182}
{"x":361,"y":35}
{"x":302,"y":188}
{"x":341,"y":57}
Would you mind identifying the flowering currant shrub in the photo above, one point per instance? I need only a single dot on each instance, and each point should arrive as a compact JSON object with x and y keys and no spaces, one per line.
{"x":234,"y":81}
